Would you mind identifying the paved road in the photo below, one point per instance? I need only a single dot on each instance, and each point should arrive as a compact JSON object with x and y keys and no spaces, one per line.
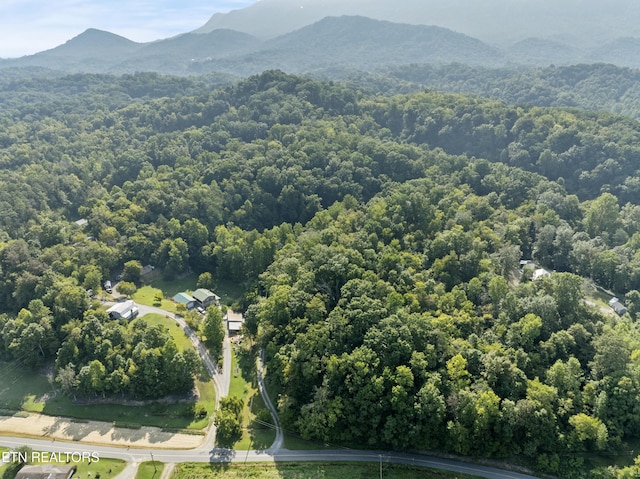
{"x":202,"y":454}
{"x":207,"y":453}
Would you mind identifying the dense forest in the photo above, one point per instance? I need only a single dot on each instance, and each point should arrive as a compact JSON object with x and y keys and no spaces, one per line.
{"x":379,"y":240}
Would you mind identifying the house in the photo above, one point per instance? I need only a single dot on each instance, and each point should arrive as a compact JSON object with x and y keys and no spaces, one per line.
{"x":234,"y":321}
{"x":46,"y":472}
{"x":125,"y":310}
{"x":205,"y":298}
{"x":617,"y":306}
{"x":540,"y":273}
{"x":82,"y":223}
{"x":186,"y":299}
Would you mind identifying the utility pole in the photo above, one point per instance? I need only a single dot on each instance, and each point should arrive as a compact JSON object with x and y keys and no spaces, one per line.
{"x":154,"y":464}
{"x":380,"y":466}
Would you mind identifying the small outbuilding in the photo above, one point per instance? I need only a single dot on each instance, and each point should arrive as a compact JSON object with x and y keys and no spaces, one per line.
{"x":617,"y":306}
{"x":125,"y":310}
{"x":186,"y":299}
{"x":540,"y":273}
{"x":205,"y":298}
{"x":234,"y":321}
{"x":46,"y":472}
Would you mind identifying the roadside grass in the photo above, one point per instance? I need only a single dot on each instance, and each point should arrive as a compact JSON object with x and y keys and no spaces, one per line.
{"x":255,"y":434}
{"x":150,"y":470}
{"x":297,"y":443}
{"x":309,"y":470}
{"x":104,"y":468}
{"x":3,"y":465}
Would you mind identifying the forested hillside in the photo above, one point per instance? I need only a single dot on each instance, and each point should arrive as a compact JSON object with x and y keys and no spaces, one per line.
{"x":378,"y":239}
{"x":588,"y":86}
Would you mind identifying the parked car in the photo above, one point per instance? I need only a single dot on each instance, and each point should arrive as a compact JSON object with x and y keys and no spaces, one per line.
{"x":107,"y":287}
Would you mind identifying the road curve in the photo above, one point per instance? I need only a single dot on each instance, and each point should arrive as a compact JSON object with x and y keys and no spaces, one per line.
{"x":279,"y":440}
{"x":207,"y":453}
{"x":226,"y":455}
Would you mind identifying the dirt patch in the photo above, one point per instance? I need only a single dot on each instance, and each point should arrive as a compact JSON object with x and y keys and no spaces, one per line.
{"x":95,"y":432}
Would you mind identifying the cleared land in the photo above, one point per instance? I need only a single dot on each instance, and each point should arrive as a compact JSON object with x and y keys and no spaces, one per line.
{"x":255,"y":433}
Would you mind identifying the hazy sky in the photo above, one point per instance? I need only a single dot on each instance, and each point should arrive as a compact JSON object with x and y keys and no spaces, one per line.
{"x":30,"y":26}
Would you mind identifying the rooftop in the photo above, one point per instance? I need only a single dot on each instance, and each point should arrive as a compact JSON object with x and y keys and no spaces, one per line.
{"x":46,"y":472}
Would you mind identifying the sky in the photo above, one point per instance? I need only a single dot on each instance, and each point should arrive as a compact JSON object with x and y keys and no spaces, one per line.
{"x":30,"y":26}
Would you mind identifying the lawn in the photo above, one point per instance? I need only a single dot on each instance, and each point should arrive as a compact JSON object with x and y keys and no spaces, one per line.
{"x":308,"y":470}
{"x":104,"y":468}
{"x":244,"y":384}
{"x":179,"y":336}
{"x":147,"y":296}
{"x":150,"y":470}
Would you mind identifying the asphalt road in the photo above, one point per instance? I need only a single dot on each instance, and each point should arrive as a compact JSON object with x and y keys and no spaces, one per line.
{"x":207,"y":453}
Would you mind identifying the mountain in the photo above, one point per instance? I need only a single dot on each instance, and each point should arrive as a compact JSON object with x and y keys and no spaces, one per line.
{"x":355,"y":41}
{"x":90,"y":51}
{"x":93,"y":43}
{"x":579,"y":23}
{"x":364,"y":43}
{"x":332,"y":42}
{"x":539,"y":51}
{"x":622,"y":52}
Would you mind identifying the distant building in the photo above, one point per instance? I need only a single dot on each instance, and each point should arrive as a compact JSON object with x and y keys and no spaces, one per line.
{"x":147,"y":269}
{"x":46,"y":472}
{"x":234,"y":321}
{"x":125,"y":310}
{"x":205,"y":298}
{"x":540,"y":273}
{"x":82,"y":222}
{"x":186,"y":299}
{"x":617,"y":306}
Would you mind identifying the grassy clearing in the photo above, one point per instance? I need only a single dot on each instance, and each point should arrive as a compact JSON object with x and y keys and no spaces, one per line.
{"x":22,"y":389}
{"x":229,"y":291}
{"x":150,"y":470}
{"x":167,"y":289}
{"x":178,"y":334}
{"x":175,"y":286}
{"x":244,"y":385}
{"x":308,"y":471}
{"x":147,"y":296}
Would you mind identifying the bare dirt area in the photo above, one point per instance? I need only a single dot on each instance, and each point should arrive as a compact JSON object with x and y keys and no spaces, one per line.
{"x":41,"y":426}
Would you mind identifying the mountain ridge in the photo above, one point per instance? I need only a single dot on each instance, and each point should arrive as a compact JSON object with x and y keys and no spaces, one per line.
{"x":357,"y":41}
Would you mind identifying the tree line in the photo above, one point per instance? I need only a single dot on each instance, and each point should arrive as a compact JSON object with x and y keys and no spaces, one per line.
{"x":378,"y":239}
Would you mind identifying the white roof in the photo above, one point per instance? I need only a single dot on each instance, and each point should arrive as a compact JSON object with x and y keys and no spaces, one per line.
{"x":234,"y":325}
{"x":540,"y":272}
{"x":121,"y":308}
